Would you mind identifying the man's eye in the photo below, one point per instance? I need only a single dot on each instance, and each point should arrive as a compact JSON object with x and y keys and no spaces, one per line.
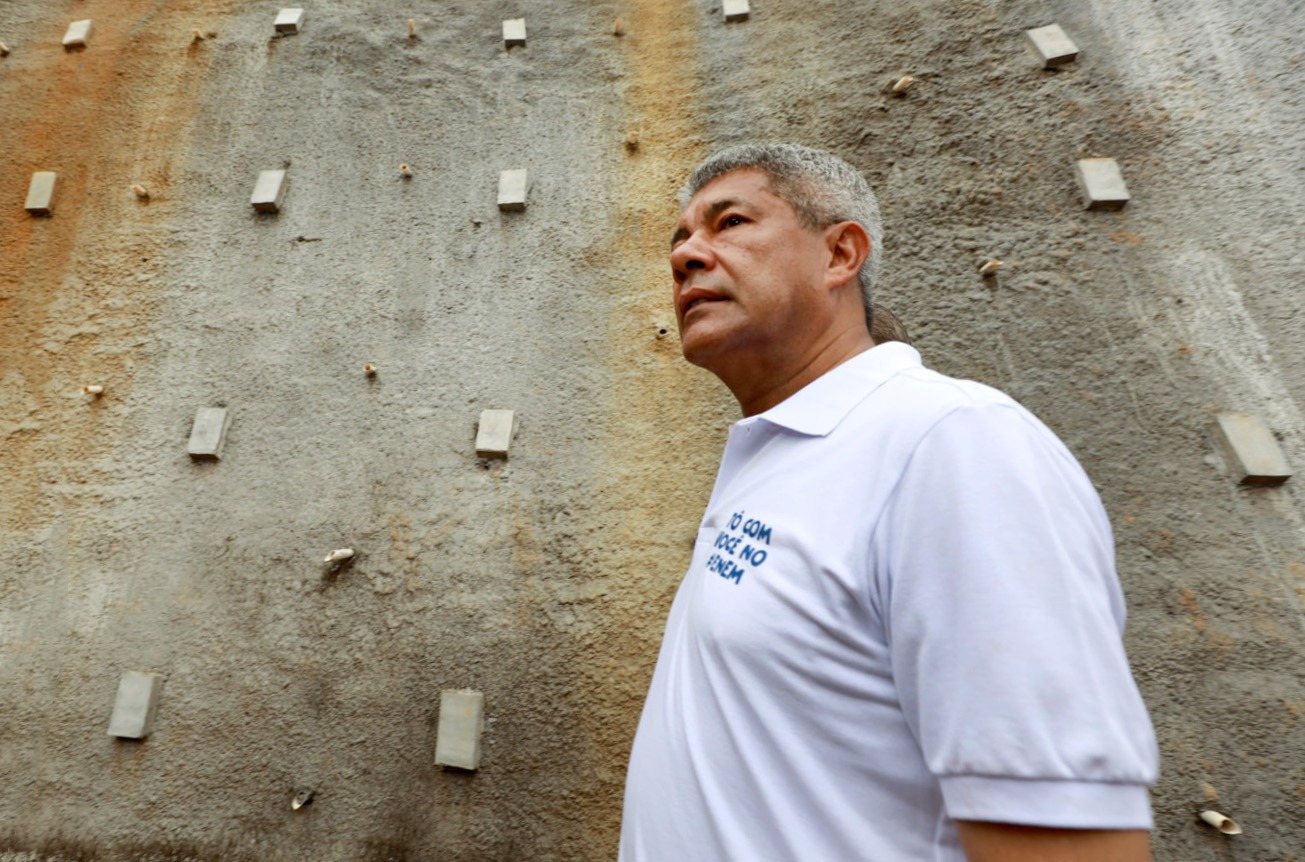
{"x":731,"y":221}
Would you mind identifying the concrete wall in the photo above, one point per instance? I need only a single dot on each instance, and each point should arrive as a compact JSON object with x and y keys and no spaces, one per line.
{"x":543,"y":581}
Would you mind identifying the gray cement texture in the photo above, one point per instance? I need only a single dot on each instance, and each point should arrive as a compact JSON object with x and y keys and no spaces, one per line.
{"x":543,"y":581}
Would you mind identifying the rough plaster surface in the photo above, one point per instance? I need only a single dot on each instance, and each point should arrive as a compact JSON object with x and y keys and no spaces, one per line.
{"x":544,"y":581}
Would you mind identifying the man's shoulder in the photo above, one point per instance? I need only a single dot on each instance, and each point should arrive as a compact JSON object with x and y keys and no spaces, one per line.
{"x":919,"y":405}
{"x":919,"y":394}
{"x":881,"y":390}
{"x":930,"y":387}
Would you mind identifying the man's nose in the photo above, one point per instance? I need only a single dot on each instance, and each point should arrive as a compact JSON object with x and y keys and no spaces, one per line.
{"x":691,"y":254}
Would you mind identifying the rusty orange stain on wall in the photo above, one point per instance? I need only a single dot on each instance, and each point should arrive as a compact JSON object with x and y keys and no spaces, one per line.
{"x":657,"y":465}
{"x":103,"y":118}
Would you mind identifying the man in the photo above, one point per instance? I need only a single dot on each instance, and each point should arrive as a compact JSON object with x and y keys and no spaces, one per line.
{"x":898,"y":639}
{"x":886,"y":326}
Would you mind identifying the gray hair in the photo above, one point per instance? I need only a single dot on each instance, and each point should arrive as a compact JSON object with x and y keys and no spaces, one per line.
{"x":822,"y":189}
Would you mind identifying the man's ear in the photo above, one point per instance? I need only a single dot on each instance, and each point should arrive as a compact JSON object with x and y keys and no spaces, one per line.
{"x":849,"y":246}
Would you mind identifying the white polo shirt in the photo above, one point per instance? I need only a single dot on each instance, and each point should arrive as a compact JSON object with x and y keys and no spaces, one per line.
{"x":902,"y":610}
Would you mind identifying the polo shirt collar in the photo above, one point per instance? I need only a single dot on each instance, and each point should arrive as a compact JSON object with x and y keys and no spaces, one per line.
{"x":817,"y":408}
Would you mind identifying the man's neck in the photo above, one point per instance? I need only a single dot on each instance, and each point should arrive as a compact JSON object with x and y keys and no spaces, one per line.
{"x":759,"y":386}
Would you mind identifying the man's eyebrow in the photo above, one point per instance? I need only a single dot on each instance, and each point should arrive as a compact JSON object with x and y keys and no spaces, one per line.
{"x":714,"y":210}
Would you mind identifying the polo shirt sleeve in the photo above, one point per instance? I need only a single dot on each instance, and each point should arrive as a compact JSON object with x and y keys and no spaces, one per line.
{"x":1004,"y":614}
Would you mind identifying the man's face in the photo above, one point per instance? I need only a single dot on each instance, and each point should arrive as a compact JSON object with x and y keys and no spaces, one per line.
{"x":747,"y":273}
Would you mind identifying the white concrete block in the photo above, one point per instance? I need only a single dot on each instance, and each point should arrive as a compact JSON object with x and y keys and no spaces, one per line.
{"x":209,"y":433}
{"x":269,"y":191}
{"x":1252,"y":452}
{"x":136,"y":704}
{"x":462,"y":718}
{"x":512,"y":188}
{"x":514,"y":33}
{"x":736,"y":10}
{"x":495,"y":433}
{"x":1101,"y":184}
{"x":289,"y":20}
{"x":1052,"y":46}
{"x":40,"y":193}
{"x":77,"y":34}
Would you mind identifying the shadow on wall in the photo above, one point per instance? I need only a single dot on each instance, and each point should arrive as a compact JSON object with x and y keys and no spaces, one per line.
{"x":60,"y":850}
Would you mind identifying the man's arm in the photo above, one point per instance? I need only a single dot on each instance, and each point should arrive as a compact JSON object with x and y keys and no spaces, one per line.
{"x":1005,"y":614}
{"x":1006,"y":842}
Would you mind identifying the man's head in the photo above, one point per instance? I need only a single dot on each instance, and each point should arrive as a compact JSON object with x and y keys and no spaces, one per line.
{"x":887,"y":326}
{"x":768,"y":272}
{"x":821,"y":188}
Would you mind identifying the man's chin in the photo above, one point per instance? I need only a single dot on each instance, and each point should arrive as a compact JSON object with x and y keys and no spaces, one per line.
{"x":699,"y":350}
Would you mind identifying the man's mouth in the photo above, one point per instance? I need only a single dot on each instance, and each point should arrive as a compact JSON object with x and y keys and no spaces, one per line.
{"x":695,"y":301}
